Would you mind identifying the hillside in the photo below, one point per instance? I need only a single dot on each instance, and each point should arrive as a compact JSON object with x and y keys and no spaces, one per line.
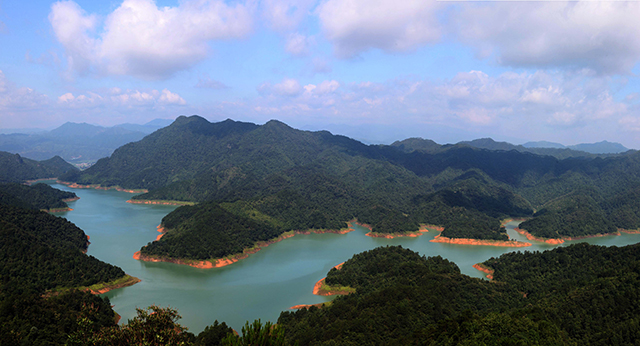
{"x":286,"y":179}
{"x":38,"y":196}
{"x":14,"y":168}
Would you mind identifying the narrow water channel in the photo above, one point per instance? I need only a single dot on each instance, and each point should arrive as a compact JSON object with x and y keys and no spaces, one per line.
{"x":261,"y":286}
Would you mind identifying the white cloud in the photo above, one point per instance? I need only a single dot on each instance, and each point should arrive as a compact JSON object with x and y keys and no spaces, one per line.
{"x":288,"y":87}
{"x":297,"y":44}
{"x":138,"y":38}
{"x":354,"y":26}
{"x":327,"y":87}
{"x":285,"y":15}
{"x":168,"y":97}
{"x":603,"y":36}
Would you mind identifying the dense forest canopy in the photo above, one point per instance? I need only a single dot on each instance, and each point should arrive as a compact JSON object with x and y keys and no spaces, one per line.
{"x":289,"y":179}
{"x":14,"y":168}
{"x":578,"y":295}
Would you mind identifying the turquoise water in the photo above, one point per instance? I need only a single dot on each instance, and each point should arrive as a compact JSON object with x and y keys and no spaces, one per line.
{"x":261,"y":286}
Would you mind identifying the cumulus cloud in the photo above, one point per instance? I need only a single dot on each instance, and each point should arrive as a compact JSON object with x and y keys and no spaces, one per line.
{"x":297,"y":44}
{"x":603,"y":36}
{"x":288,"y":87}
{"x":355,"y":26}
{"x":286,"y":15}
{"x":138,"y":38}
{"x":518,"y":104}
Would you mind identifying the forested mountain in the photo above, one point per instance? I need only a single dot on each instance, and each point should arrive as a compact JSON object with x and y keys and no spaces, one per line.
{"x":40,"y":253}
{"x":38,"y":196}
{"x":578,"y":295}
{"x":295,"y":180}
{"x":603,"y":147}
{"x":76,"y":143}
{"x":14,"y":168}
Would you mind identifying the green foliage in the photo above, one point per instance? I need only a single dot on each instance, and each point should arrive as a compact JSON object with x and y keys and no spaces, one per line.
{"x":573,"y":215}
{"x":212,"y":335}
{"x":154,"y":326}
{"x":256,"y":334}
{"x":38,"y":196}
{"x":14,"y":168}
{"x":26,"y":318}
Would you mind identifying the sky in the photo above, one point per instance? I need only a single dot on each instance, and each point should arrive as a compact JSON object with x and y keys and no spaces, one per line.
{"x":376,"y":70}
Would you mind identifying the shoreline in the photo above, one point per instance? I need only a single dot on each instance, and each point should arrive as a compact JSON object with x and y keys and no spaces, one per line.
{"x":110,"y":286}
{"x":483,"y":242}
{"x":225,"y":261}
{"x":481,"y":267}
{"x":322,"y":289}
{"x":99,"y":187}
{"x":423,"y":229}
{"x":56,"y":210}
{"x":307,"y":306}
{"x":159,"y":202}
{"x":99,"y":288}
{"x":557,"y":241}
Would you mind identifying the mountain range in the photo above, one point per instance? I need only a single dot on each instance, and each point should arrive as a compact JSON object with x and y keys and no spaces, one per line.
{"x":77,"y":143}
{"x":270,"y":179}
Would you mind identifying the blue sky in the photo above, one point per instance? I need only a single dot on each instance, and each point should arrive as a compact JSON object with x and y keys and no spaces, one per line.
{"x":376,"y":70}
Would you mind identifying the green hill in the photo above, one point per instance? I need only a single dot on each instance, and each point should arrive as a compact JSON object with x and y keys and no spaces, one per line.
{"x":14,"y":168}
{"x":296,"y":180}
{"x":38,"y":196}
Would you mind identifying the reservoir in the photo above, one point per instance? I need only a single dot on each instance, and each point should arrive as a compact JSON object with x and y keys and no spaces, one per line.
{"x":258,"y":287}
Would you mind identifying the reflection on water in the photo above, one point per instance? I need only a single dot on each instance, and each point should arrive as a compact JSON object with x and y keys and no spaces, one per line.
{"x":272,"y":280}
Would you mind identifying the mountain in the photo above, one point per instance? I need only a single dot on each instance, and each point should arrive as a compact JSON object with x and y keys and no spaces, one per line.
{"x":77,"y":142}
{"x":544,"y":144}
{"x":577,"y":295}
{"x":14,"y":168}
{"x":38,"y":196}
{"x":603,"y":147}
{"x":266,"y":180}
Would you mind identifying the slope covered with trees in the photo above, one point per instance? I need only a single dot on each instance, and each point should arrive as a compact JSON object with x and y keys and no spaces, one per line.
{"x":14,"y":168}
{"x":296,"y":180}
{"x":38,"y":196}
{"x":581,"y":294}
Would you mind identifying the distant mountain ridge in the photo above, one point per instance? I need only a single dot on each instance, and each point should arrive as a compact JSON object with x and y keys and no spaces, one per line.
{"x":603,"y":147}
{"x":277,"y":179}
{"x":77,"y":142}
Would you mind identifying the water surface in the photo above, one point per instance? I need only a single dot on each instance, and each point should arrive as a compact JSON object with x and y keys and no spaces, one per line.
{"x":261,"y":286}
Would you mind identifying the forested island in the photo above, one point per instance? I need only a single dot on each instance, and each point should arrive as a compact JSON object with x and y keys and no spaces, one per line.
{"x":269,"y":180}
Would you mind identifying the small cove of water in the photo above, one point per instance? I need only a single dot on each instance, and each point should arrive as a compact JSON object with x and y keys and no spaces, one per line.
{"x":260,"y":286}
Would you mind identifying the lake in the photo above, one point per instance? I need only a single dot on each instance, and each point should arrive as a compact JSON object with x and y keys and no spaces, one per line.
{"x":258,"y":287}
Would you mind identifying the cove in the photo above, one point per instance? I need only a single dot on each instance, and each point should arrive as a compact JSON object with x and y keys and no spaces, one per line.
{"x":261,"y":286}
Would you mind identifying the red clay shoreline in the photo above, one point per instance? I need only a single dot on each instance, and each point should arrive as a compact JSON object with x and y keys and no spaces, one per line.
{"x":556,"y":241}
{"x":157,"y":202}
{"x":99,"y":187}
{"x":221,"y":262}
{"x":468,"y":241}
{"x":423,"y":229}
{"x":481,"y":267}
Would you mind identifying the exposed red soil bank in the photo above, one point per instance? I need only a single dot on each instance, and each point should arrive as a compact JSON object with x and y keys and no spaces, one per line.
{"x":98,"y":187}
{"x":318,"y":290}
{"x":159,"y":202}
{"x":221,"y":262}
{"x":422,"y":230}
{"x":306,"y":306}
{"x":132,"y":281}
{"x":485,"y":270}
{"x":162,"y":232}
{"x":554,"y":241}
{"x":467,"y":241}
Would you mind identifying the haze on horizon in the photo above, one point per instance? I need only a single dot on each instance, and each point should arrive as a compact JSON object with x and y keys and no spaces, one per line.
{"x":557,"y":71}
